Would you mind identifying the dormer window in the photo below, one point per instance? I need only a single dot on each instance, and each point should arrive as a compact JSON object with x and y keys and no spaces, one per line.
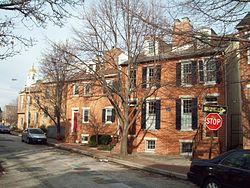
{"x":151,"y":47}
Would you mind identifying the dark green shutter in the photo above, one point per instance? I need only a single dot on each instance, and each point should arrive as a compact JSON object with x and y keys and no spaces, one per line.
{"x":143,"y":116}
{"x":113,"y":115}
{"x":178,"y":74}
{"x":194,"y":113}
{"x":178,"y":114}
{"x":158,"y":114}
{"x":103,"y":115}
{"x":194,"y":72}
{"x":158,"y":76}
{"x":144,"y":77}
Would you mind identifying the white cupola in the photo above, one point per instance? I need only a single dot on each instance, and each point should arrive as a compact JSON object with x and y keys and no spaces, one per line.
{"x":31,"y":77}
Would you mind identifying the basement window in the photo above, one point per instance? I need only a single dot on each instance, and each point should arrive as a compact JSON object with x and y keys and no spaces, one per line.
{"x":85,"y":138}
{"x":150,"y":144}
{"x":186,"y":147}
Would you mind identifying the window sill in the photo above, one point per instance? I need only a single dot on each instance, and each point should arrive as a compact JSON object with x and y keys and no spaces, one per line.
{"x":85,"y":122}
{"x":187,"y":130}
{"x":108,"y":122}
{"x":150,"y":151}
{"x":186,"y":85}
{"x":209,"y":83}
{"x":75,"y":95}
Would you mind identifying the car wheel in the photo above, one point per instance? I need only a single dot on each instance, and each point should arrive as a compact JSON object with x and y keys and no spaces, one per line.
{"x":22,"y":139}
{"x":28,"y":141}
{"x":211,"y":183}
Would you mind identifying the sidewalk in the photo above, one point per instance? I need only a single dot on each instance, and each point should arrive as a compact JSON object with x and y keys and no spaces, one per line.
{"x":173,"y":166}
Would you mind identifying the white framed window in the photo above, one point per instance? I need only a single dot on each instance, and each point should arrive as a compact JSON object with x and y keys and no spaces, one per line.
{"x":150,"y":114}
{"x":85,"y":138}
{"x":207,"y":71}
{"x":186,"y":147}
{"x":76,"y":89}
{"x":150,"y":144}
{"x":108,"y":115}
{"x":86,"y":112}
{"x":186,"y":73}
{"x":186,"y":114}
{"x":248,"y":55}
{"x":151,"y":47}
{"x":86,"y":87}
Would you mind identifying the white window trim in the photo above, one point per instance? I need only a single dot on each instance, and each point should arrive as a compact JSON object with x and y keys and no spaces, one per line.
{"x":74,"y":89}
{"x":186,"y":129}
{"x":84,"y":85}
{"x":205,"y":72}
{"x":146,"y":139}
{"x":108,"y":107}
{"x":184,"y":141}
{"x":182,"y":63}
{"x":248,"y":55}
{"x":84,"y":135}
{"x":83,"y":109}
{"x":74,"y":109}
{"x":152,"y":127}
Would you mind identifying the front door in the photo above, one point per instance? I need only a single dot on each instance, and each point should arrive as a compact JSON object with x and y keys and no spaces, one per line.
{"x":75,"y":120}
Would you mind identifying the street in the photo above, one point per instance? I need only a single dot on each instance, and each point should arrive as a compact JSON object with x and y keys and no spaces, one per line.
{"x":41,"y":166}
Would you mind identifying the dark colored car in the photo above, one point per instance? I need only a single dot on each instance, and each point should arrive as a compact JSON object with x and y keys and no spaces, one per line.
{"x":4,"y":129}
{"x":34,"y":135}
{"x":231,"y":169}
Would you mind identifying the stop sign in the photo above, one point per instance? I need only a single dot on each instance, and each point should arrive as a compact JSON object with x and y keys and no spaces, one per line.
{"x":213,"y":121}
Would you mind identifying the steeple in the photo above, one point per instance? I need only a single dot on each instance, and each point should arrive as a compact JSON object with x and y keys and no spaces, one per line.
{"x":31,"y":77}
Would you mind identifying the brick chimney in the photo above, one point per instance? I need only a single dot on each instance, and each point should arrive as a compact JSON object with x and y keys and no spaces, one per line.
{"x":181,"y":31}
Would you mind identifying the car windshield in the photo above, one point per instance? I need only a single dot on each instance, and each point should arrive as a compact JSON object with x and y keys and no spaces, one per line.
{"x":2,"y":126}
{"x":36,"y":131}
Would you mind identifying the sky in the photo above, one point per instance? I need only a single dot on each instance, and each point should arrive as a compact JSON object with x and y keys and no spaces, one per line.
{"x":13,"y":71}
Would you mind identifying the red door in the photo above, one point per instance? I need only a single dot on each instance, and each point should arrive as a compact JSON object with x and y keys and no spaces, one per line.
{"x":75,"y":121}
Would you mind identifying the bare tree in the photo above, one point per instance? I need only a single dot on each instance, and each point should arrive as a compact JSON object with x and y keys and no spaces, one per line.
{"x":29,"y":13}
{"x":112,"y":28}
{"x":56,"y":69}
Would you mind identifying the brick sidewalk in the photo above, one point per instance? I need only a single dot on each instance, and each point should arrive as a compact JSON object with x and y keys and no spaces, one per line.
{"x":174,"y":166}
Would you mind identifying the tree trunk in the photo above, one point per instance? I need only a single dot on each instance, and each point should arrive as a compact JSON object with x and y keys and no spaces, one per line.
{"x":124,"y":143}
{"x":58,"y":130}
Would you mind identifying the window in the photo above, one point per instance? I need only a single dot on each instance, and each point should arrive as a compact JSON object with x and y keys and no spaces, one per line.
{"x":207,"y":71}
{"x":150,"y":145}
{"x":132,"y":78}
{"x":151,"y":47}
{"x":186,"y":73}
{"x":151,"y":76}
{"x":248,"y":55}
{"x":108,"y":115}
{"x":186,"y":116}
{"x":151,"y":115}
{"x":186,"y":147}
{"x":46,"y":112}
{"x":29,"y":100}
{"x":238,"y":159}
{"x":36,"y":118}
{"x":76,"y":89}
{"x":85,"y":138}
{"x":85,"y":115}
{"x":86,"y":91}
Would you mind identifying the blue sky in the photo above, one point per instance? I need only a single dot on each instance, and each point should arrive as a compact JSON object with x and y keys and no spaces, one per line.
{"x":18,"y":66}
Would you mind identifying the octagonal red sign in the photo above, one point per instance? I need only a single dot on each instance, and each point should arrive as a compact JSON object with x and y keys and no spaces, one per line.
{"x":213,"y":121}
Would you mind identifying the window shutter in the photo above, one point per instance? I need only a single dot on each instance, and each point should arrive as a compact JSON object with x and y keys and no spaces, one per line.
{"x":143,"y":116}
{"x":158,"y":76}
{"x":194,"y":113}
{"x":158,"y":114}
{"x":178,"y":74}
{"x":103,"y":115}
{"x":178,"y":114}
{"x":144,"y":77}
{"x":194,"y":72}
{"x":218,"y":72}
{"x":113,"y":115}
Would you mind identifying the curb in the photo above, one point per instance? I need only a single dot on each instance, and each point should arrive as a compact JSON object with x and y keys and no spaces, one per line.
{"x":124,"y":162}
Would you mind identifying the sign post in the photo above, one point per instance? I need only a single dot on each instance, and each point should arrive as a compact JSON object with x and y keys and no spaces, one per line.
{"x":213,"y":122}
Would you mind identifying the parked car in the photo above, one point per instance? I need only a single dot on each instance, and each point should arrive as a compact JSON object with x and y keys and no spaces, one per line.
{"x":34,"y":135}
{"x":4,"y":129}
{"x":231,"y":169}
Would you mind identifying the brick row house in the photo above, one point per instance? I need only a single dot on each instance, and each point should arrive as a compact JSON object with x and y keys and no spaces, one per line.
{"x":185,"y":75}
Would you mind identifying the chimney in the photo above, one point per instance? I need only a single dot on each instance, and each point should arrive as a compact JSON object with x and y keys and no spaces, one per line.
{"x":181,"y":32}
